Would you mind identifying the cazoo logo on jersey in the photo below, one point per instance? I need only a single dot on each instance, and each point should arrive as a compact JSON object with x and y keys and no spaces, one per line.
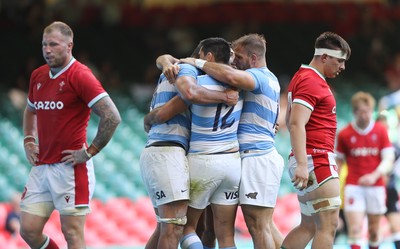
{"x":49,"y":105}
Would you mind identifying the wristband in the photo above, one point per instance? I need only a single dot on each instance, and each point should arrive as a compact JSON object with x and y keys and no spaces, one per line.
{"x":199,"y":63}
{"x":29,"y":136}
{"x":88,"y":154}
{"x":29,"y":143}
{"x":97,"y":149}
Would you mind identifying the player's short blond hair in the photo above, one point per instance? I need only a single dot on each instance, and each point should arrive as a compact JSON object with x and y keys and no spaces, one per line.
{"x":252,"y":43}
{"x":364,"y":98}
{"x":64,"y":29}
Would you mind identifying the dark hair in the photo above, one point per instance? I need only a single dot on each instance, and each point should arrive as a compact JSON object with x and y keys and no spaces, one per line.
{"x":332,"y":40}
{"x":219,"y":47}
{"x":196,"y":51}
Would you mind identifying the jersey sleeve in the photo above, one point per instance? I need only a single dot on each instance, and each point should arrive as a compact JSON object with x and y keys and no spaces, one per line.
{"x":188,"y":70}
{"x":88,"y":87}
{"x":306,"y":93}
{"x":256,"y":77}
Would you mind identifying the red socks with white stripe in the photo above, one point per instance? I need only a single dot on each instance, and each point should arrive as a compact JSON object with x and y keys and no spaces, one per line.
{"x":49,"y":244}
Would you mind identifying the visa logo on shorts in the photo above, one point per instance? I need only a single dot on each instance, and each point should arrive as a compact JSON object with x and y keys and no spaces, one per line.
{"x":231,"y":195}
{"x":160,"y":194}
{"x":48,"y":105}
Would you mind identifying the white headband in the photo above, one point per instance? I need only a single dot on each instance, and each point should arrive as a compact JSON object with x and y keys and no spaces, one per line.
{"x":334,"y":53}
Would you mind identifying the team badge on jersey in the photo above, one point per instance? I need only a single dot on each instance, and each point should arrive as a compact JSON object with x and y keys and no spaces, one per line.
{"x":61,"y":86}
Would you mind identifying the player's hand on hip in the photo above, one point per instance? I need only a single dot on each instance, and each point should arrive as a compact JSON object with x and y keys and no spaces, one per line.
{"x":75,"y":156}
{"x":32,"y":152}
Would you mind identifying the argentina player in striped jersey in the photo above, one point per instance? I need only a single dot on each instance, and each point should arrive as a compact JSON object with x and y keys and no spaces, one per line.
{"x":214,"y":161}
{"x":163,"y":161}
{"x":262,"y":166}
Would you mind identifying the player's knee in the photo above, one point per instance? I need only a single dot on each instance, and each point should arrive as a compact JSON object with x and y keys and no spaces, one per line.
{"x":71,"y":234}
{"x":355,"y":231}
{"x":373,"y":235}
{"x":28,"y":234}
{"x":258,"y":225}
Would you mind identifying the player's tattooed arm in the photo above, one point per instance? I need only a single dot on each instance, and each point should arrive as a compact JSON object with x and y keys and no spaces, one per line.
{"x":109,"y":120}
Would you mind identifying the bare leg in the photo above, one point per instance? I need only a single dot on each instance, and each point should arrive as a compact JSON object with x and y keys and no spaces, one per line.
{"x":373,"y":227}
{"x":73,"y":230}
{"x":224,"y":222}
{"x":301,"y":235}
{"x":354,"y":222}
{"x":32,"y":229}
{"x":276,"y":235}
{"x":326,"y":222}
{"x":258,"y":221}
{"x":170,"y":234}
{"x":208,"y":237}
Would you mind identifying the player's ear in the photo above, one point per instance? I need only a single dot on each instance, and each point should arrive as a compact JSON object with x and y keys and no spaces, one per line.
{"x":324,"y":57}
{"x":210,"y":57}
{"x":253,"y":57}
{"x":70,"y":45}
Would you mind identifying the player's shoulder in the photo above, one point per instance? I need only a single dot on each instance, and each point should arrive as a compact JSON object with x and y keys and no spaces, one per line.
{"x":188,"y":70}
{"x":379,"y":126}
{"x":80,"y":70}
{"x":207,"y":79}
{"x":346,"y":130}
{"x":41,"y":70}
{"x":306,"y":72}
{"x":186,"y":66}
{"x":77,"y":66}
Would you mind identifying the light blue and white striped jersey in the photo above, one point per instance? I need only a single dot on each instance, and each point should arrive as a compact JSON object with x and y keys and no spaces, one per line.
{"x":214,"y":126}
{"x":176,"y":129}
{"x":260,"y":112}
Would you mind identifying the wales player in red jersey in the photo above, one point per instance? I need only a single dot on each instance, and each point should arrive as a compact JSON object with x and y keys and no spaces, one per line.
{"x":311,"y":119}
{"x":62,"y":93}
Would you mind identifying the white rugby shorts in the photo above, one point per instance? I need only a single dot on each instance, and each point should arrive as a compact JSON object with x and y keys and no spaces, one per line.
{"x":214,"y":179}
{"x":261,"y":178}
{"x":65,"y":186}
{"x":165,"y":174}
{"x":368,"y":199}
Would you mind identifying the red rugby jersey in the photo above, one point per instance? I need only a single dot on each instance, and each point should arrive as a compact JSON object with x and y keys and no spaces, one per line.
{"x":309,"y":88}
{"x":62,"y":103}
{"x":362,"y":149}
